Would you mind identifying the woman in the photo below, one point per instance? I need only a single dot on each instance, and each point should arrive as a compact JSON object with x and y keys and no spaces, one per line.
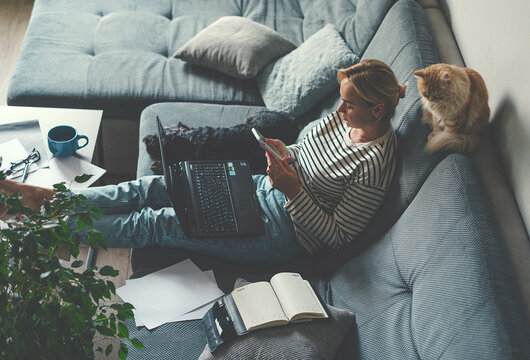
{"x":340,"y":177}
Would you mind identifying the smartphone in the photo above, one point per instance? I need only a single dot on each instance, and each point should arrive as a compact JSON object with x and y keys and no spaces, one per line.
{"x":266,"y":146}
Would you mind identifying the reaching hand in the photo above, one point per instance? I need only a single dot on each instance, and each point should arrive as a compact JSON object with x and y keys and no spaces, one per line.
{"x":278,"y":145}
{"x":282,"y":176}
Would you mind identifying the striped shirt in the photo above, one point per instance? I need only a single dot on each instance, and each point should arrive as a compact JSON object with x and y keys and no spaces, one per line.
{"x":343,"y":183}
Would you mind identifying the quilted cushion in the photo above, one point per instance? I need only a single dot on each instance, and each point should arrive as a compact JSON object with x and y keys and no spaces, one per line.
{"x":438,"y":284}
{"x":116,"y":55}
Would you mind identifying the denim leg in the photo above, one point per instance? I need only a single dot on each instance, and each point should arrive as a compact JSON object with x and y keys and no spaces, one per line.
{"x":129,"y":196}
{"x":131,"y":225}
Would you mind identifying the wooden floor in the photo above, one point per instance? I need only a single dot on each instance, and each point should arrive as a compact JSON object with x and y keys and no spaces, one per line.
{"x":14,"y":17}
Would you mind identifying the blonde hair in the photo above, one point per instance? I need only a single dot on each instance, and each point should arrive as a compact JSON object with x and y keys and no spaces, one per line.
{"x":376,"y":83}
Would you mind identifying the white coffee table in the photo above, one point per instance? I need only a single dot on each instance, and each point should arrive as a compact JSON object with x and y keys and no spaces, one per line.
{"x":87,"y":122}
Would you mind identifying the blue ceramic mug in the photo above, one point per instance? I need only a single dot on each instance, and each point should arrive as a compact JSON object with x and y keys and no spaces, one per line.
{"x":63,"y":140}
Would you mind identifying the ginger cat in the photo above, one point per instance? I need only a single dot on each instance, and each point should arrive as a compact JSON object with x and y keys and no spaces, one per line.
{"x":455,"y":104}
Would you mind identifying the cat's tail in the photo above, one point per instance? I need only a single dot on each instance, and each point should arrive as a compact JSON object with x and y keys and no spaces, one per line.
{"x":461,"y":143}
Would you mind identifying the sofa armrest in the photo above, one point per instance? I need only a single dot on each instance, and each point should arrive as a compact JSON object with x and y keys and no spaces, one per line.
{"x":439,"y":283}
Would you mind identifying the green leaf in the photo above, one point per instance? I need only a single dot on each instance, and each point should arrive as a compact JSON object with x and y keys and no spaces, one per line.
{"x":108,"y":350}
{"x":83,"y":178}
{"x":137,"y":343}
{"x":80,"y":223}
{"x":103,"y":330}
{"x":77,"y":263}
{"x":59,"y":187}
{"x":108,"y":270}
{"x":111,"y":287}
{"x":122,"y":330}
{"x":74,"y":250}
{"x":123,"y":351}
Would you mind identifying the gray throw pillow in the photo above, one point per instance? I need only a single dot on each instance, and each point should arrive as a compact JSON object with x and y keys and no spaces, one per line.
{"x":300,"y":79}
{"x":319,"y":339}
{"x":236,"y":46}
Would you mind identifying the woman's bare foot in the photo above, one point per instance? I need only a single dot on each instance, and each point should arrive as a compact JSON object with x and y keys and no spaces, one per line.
{"x":32,"y":196}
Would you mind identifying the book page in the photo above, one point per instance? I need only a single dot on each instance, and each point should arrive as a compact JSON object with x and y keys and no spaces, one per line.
{"x":258,"y":306}
{"x":297,"y":297}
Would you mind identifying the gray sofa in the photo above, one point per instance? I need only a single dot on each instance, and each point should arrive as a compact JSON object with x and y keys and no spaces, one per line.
{"x":428,"y":279}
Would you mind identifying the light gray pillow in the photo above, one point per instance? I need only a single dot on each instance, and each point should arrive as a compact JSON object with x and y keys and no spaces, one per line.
{"x":300,"y":79}
{"x":236,"y":46}
{"x":319,"y":339}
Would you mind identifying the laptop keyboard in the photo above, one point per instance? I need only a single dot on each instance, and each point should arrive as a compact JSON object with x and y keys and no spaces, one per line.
{"x":214,"y":197}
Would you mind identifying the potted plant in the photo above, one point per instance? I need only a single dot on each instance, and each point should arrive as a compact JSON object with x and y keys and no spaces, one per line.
{"x":49,"y":311}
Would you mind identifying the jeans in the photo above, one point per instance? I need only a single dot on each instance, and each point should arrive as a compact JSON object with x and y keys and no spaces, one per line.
{"x":139,"y":213}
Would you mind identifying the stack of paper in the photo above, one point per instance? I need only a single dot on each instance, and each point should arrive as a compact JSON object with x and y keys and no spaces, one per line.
{"x":177,"y":293}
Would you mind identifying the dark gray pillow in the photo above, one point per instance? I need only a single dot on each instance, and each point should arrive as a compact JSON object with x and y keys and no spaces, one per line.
{"x":236,"y":46}
{"x":299,"y":80}
{"x":308,"y":340}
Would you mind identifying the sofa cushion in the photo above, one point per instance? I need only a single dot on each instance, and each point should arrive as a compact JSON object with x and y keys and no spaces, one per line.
{"x":438,"y":284}
{"x":235,"y":46}
{"x":299,"y":80}
{"x":116,"y":55}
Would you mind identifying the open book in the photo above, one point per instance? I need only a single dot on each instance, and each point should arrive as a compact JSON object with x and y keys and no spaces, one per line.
{"x":286,"y":298}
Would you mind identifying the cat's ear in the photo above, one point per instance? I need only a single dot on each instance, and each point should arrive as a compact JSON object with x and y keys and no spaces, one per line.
{"x":446,"y":76}
{"x":419,"y":73}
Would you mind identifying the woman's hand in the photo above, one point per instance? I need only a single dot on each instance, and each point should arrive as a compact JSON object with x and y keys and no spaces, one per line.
{"x":282,"y":176}
{"x":279,"y":146}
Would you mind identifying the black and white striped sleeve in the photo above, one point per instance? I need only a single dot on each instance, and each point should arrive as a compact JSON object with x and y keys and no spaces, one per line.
{"x":293,"y":150}
{"x":316,"y":228}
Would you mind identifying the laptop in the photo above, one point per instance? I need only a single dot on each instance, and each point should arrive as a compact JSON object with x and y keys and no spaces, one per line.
{"x":211,"y":198}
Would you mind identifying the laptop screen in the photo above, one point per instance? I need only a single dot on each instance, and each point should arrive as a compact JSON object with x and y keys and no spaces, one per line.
{"x":172,"y":178}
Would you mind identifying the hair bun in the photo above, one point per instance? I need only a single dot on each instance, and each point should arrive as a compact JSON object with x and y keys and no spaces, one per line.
{"x":403,"y":90}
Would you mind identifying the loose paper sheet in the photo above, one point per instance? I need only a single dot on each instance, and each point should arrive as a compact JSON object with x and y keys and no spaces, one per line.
{"x":196,"y":314}
{"x":28,"y":133}
{"x":65,"y":169}
{"x":13,"y":151}
{"x":167,"y":294}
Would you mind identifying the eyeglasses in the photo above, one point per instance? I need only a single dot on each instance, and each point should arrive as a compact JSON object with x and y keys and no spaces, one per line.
{"x":24,"y":164}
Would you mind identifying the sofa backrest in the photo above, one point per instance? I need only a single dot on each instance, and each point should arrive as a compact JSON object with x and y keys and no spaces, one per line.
{"x":356,"y":20}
